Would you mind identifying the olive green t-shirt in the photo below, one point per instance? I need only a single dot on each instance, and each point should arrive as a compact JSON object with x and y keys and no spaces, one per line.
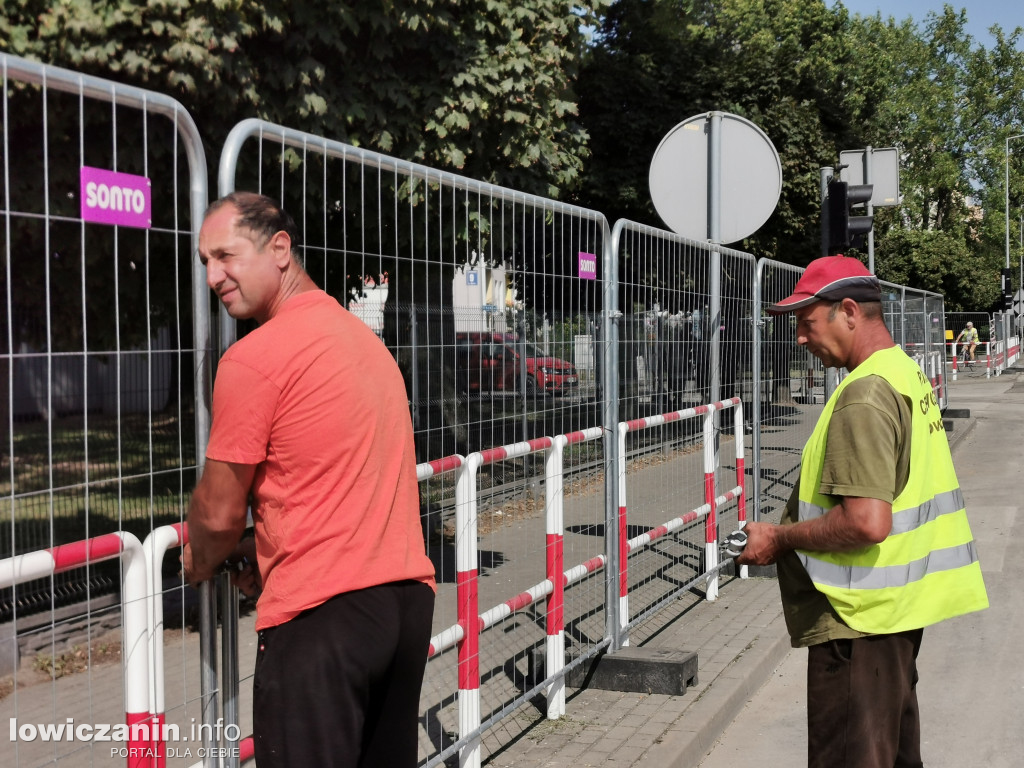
{"x":867,"y":454}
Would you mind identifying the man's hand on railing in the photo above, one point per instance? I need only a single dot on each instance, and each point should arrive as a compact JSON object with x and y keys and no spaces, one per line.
{"x":245,"y":573}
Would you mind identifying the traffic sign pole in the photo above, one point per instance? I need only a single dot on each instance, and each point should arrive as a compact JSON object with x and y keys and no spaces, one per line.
{"x":871,"y":211}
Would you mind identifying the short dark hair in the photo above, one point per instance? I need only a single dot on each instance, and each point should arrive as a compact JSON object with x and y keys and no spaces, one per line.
{"x":262,"y":216}
{"x":872,"y":309}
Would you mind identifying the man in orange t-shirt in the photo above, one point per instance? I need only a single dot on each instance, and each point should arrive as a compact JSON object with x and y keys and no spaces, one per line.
{"x":311,"y":423}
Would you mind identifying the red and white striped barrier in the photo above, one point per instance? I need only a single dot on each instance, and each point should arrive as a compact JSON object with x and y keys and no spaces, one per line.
{"x":135,"y":649}
{"x":155,"y":546}
{"x":1014,"y":353}
{"x":931,"y":365}
{"x":429,"y":469}
{"x":468,"y":611}
{"x":711,"y":501}
{"x":142,"y":618}
{"x":466,"y":633}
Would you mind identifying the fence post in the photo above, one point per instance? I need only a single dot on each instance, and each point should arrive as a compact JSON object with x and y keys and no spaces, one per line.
{"x":757,"y":365}
{"x":468,"y":608}
{"x":741,"y":474}
{"x":711,"y":521}
{"x":621,"y":568}
{"x":156,"y":544}
{"x":555,"y":647}
{"x":611,"y":315}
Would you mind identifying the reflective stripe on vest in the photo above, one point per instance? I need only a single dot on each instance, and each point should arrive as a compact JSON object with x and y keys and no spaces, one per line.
{"x":927,"y":569}
{"x":906,"y":519}
{"x":885,"y":577}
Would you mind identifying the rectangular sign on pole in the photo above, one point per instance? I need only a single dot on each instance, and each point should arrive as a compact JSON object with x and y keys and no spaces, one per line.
{"x":885,"y":173}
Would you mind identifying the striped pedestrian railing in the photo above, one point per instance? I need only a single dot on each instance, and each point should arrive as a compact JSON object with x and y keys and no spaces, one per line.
{"x":143,"y":727}
{"x":708,"y":511}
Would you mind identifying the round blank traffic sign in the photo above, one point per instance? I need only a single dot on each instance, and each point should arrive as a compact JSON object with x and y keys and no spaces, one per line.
{"x":749,"y":175}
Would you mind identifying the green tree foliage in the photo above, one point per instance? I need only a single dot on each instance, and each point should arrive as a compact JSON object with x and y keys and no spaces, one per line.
{"x":934,"y":261}
{"x":489,"y":88}
{"x":818,"y":81}
{"x":483,"y":87}
{"x":947,"y":104}
{"x":478,"y":87}
{"x":780,"y":64}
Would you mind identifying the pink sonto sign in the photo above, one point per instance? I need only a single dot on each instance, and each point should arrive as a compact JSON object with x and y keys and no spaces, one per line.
{"x":109,"y":197}
{"x":587,"y":266}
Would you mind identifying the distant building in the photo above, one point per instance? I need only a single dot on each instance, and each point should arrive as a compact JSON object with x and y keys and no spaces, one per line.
{"x":368,"y":302}
{"x":480,"y":297}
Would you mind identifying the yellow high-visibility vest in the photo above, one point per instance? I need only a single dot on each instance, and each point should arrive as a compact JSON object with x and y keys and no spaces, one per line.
{"x":927,"y":569}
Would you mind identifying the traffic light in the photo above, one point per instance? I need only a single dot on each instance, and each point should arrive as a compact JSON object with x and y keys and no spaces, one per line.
{"x":845,"y":230}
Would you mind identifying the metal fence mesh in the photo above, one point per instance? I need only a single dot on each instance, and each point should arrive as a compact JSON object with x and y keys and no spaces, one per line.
{"x":493,"y":305}
{"x":97,"y":398}
{"x":477,"y":292}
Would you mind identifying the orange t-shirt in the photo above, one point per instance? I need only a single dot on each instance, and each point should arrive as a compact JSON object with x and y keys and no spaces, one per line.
{"x":316,"y":400}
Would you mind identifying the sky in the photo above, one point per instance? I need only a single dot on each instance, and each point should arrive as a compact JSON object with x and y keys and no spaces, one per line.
{"x":981,"y":14}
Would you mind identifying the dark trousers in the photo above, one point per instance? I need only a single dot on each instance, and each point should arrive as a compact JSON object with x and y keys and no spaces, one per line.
{"x":339,"y":685}
{"x":862,"y":703}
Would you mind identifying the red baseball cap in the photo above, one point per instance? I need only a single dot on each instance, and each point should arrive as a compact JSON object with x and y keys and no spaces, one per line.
{"x":831,"y":278}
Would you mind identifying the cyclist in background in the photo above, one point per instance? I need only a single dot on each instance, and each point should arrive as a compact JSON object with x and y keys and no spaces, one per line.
{"x":970,"y":338}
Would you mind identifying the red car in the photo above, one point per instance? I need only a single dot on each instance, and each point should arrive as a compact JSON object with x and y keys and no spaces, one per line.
{"x":548,"y":374}
{"x":490,"y":362}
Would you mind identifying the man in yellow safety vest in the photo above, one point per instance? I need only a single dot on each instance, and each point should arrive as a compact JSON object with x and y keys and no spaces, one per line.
{"x":874,"y":543}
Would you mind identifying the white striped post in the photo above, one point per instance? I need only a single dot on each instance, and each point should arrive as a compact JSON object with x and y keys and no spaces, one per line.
{"x":741,"y":479}
{"x":623,"y":575}
{"x":466,"y":585}
{"x":156,"y":544}
{"x":553,"y":522}
{"x":711,"y":521}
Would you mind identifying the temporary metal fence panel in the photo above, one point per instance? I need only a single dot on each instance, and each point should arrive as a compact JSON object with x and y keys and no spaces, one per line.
{"x":797,"y":389}
{"x":102,"y":389}
{"x":956,"y":322}
{"x":932,"y":321}
{"x":671,"y":319}
{"x":528,"y":334}
{"x":916,"y":320}
{"x":1005,"y":343}
{"x":489,"y":299}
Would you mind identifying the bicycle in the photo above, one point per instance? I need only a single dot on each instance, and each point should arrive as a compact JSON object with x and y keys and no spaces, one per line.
{"x":966,"y":362}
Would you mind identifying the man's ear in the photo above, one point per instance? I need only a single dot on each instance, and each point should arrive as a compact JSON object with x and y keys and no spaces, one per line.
{"x":852,"y":310}
{"x":280,"y":246}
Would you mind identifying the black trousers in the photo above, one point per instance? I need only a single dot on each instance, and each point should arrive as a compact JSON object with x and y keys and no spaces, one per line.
{"x":862,"y":703}
{"x":339,"y":685}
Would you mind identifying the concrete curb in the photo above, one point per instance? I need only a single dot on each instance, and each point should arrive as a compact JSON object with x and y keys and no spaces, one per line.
{"x":722,"y":701}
